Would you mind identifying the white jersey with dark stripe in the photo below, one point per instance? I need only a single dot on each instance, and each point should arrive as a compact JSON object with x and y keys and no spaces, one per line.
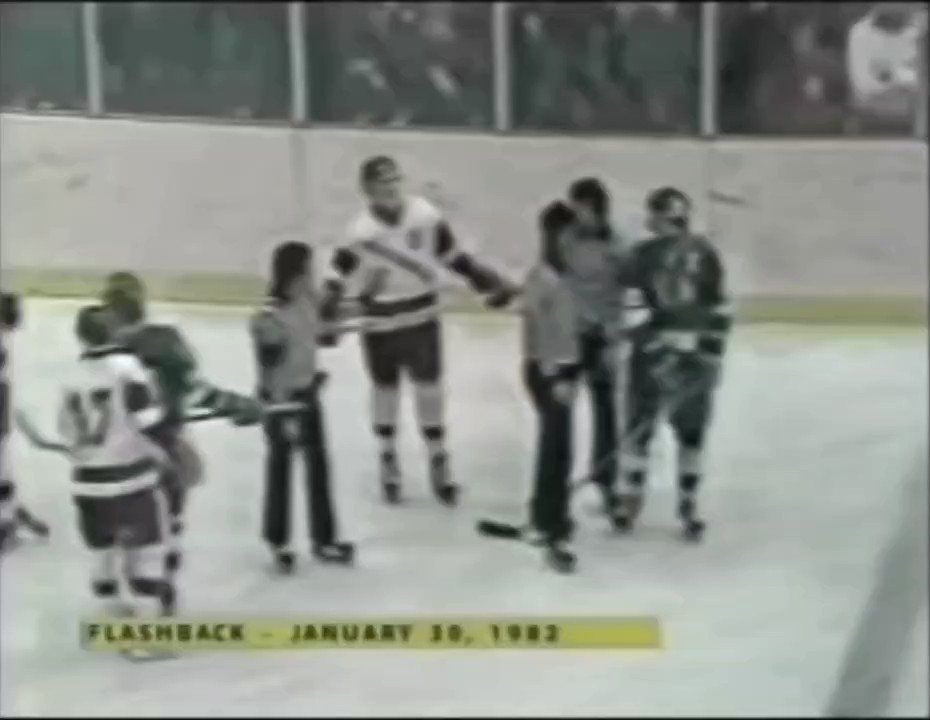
{"x":398,"y":266}
{"x":107,"y":405}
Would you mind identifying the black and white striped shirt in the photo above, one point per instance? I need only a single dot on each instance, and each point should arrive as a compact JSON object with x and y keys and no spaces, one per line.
{"x":285,"y":338}
{"x":550,"y":323}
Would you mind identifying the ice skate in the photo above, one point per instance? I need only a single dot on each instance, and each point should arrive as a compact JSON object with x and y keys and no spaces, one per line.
{"x":446,"y":491}
{"x":560,"y":558}
{"x":390,"y":478}
{"x":693,"y":526}
{"x":284,"y":561}
{"x":535,"y":537}
{"x":627,"y":511}
{"x":339,"y":553}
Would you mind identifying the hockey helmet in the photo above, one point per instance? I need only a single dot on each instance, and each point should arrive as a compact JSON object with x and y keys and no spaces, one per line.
{"x":669,"y":209}
{"x":124,"y":295}
{"x":380,"y":179}
{"x":92,"y":326}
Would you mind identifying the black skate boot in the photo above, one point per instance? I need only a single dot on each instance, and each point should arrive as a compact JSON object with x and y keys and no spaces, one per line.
{"x":284,"y":561}
{"x":446,"y":491}
{"x":390,"y":478}
{"x":560,"y":558}
{"x":693,"y":526}
{"x":339,"y":553}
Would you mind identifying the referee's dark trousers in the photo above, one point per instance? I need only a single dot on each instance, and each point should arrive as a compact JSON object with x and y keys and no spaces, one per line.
{"x":310,"y":443}
{"x":549,"y":506}
{"x":601,"y":378}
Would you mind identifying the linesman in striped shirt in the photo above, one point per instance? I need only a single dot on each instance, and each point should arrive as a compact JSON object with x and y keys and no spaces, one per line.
{"x":594,"y":254}
{"x":677,"y":354}
{"x":551,"y":366}
{"x":285,"y":334}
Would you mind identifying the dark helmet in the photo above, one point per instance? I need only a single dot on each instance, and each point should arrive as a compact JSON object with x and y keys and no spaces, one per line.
{"x":379,"y":169}
{"x":591,"y":191}
{"x":124,"y":295}
{"x":667,"y":199}
{"x":669,"y":210}
{"x":93,"y":325}
{"x":289,"y":261}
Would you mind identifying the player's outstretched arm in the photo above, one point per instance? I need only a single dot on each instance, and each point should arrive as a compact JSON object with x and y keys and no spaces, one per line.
{"x":484,"y":280}
{"x":180,"y":372}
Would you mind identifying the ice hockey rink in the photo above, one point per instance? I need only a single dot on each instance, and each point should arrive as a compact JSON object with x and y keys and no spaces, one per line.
{"x":816,"y":433}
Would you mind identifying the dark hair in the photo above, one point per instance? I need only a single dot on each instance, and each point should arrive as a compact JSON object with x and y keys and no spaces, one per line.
{"x":591,"y":191}
{"x":555,"y":217}
{"x":290,"y":260}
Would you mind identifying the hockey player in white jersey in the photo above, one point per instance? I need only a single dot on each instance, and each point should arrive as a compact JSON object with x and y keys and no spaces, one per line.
{"x":13,"y":515}
{"x":110,"y":417}
{"x":392,"y":263}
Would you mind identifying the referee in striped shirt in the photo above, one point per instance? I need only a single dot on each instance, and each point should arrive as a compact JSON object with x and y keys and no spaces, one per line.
{"x":285,"y":335}
{"x":552,"y":363}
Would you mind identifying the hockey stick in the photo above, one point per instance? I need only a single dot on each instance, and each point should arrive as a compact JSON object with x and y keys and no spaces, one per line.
{"x":41,"y":441}
{"x":509,"y":531}
{"x":35,"y":436}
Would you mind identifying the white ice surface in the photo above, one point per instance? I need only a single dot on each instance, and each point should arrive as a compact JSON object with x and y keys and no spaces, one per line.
{"x":813,"y":432}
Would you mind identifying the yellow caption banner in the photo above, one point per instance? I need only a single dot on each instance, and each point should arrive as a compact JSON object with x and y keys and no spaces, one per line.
{"x":463,"y":633}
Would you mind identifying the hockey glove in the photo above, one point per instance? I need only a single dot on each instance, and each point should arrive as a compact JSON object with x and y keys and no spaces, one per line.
{"x":187,"y":463}
{"x":244,"y":411}
{"x":501,"y":296}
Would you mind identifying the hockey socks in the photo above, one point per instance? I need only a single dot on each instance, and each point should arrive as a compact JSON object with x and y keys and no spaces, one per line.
{"x":446,"y":491}
{"x":173,"y":555}
{"x":630,"y":502}
{"x":687,"y":506}
{"x":389,"y":470}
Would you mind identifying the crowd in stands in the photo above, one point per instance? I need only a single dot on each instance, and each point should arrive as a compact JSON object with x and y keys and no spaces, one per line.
{"x":783,"y":68}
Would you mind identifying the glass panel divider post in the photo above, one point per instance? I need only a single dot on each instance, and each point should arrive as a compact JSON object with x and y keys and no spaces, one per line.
{"x":920,"y":106}
{"x":709,"y":73}
{"x":93,"y":65}
{"x":502,"y":53}
{"x":297,"y":38}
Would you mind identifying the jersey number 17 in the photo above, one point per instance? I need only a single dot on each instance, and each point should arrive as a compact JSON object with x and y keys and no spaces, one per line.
{"x":91,"y":419}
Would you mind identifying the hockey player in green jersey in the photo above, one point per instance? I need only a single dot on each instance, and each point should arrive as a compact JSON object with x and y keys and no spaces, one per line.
{"x":165,"y":352}
{"x":676,"y":354}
